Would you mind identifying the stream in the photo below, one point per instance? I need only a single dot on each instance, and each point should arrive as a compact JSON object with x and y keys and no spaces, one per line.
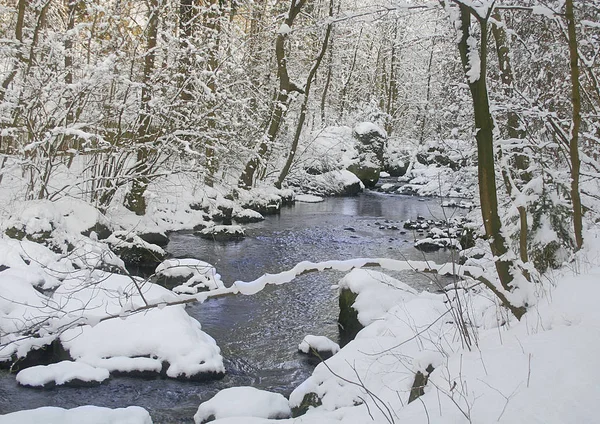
{"x":259,"y":334}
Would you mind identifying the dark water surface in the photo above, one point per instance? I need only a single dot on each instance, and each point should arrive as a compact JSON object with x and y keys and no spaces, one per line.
{"x":259,"y":334}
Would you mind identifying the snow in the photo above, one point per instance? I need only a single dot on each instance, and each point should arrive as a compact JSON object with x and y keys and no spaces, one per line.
{"x":243,"y":402}
{"x":384,"y":174}
{"x":82,"y":415}
{"x":60,"y":373}
{"x":166,"y":334}
{"x":308,"y":198}
{"x":318,"y":343}
{"x":284,"y":29}
{"x":198,"y":274}
{"x":364,"y":128}
{"x":377,"y":293}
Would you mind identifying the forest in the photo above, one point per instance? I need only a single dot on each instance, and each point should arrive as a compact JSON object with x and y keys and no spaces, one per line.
{"x":410,"y":189}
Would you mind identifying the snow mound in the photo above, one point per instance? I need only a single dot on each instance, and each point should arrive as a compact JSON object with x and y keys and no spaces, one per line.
{"x":318,"y":343}
{"x":243,"y":402}
{"x":82,"y":415}
{"x":62,"y":373}
{"x":149,"y":337}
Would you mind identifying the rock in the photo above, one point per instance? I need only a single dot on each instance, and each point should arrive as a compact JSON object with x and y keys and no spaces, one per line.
{"x":158,"y":239}
{"x":65,"y":373}
{"x":370,"y":143}
{"x":246,"y":216}
{"x":102,"y":231}
{"x":187,"y":276}
{"x":371,"y":139}
{"x":135,"y":252}
{"x":269,"y":205}
{"x":243,"y":402}
{"x":310,"y":400}
{"x":430,"y":244}
{"x":418,"y":387}
{"x":223,"y":233}
{"x":367,"y":173}
{"x":348,"y":322}
{"x":319,"y":347}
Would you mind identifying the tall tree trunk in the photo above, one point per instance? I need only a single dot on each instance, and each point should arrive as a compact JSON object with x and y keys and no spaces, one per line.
{"x":485,"y":153}
{"x":286,"y":86}
{"x":213,"y":24}
{"x":392,"y":94}
{"x":574,"y":142}
{"x":21,"y":6}
{"x":186,"y":24}
{"x":311,"y":75}
{"x":521,"y":161}
{"x":344,"y":92}
{"x":6,"y":141}
{"x":135,"y":200}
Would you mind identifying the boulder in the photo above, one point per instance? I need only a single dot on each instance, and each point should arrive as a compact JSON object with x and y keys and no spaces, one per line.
{"x":222,"y":233}
{"x":243,"y":402}
{"x":367,"y":173}
{"x":158,"y":239}
{"x":318,"y":346}
{"x":370,"y":144}
{"x":348,"y":322}
{"x":135,"y":252}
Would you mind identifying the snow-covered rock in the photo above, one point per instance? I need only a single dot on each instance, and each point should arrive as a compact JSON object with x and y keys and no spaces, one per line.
{"x":322,"y":346}
{"x":148,"y":338}
{"x":243,"y":402}
{"x":223,"y":232}
{"x":333,"y":183}
{"x":81,"y":415}
{"x":66,"y":373}
{"x":188,"y":275}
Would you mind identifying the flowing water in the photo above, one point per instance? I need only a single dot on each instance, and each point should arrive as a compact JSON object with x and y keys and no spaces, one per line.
{"x":259,"y":334}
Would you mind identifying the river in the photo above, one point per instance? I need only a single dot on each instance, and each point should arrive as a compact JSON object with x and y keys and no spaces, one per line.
{"x":259,"y":334}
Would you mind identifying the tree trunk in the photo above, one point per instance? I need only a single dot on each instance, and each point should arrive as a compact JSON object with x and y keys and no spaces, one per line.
{"x":135,"y":200}
{"x":485,"y":155}
{"x":213,"y":25}
{"x":574,"y":142}
{"x":313,"y":71}
{"x":521,"y":161}
{"x":286,"y":86}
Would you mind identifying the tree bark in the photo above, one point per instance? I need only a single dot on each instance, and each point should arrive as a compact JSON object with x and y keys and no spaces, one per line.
{"x":574,"y":142}
{"x":485,"y":155}
{"x":286,"y":86}
{"x":521,"y":161}
{"x":311,"y":75}
{"x":135,"y":200}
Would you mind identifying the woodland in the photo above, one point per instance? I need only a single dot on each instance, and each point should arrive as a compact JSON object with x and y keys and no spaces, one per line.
{"x":155,"y":116}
